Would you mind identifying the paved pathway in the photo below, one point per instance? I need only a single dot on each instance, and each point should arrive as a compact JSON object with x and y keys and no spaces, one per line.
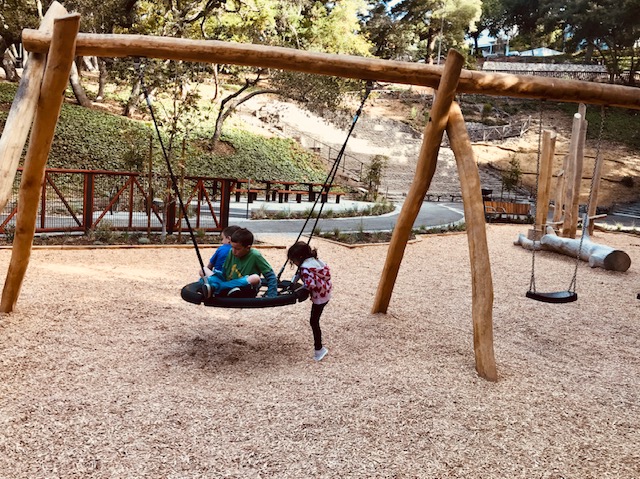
{"x":431,"y":214}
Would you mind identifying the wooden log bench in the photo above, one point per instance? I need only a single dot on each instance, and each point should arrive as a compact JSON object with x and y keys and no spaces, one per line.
{"x":283,"y":195}
{"x":252,"y":194}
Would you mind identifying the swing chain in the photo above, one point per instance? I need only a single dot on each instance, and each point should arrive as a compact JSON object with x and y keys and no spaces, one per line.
{"x":585,"y":218}
{"x":532,"y":281}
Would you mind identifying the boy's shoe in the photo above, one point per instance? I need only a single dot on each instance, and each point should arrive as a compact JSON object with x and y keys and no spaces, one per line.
{"x":206,"y":289}
{"x":320,"y":353}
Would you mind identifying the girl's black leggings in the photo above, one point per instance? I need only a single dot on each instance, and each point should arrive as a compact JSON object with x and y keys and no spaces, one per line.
{"x":316,"y":312}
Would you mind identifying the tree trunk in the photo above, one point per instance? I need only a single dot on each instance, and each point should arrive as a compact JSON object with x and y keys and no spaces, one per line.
{"x":130,"y":107}
{"x":78,"y":91}
{"x":9,"y":65}
{"x":102,"y":79}
{"x":228,"y":106}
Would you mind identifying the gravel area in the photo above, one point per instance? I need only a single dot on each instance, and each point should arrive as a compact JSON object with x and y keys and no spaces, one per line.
{"x":106,"y":373}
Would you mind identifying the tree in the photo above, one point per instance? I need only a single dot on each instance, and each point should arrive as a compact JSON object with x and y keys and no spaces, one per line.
{"x":331,"y":27}
{"x":373,"y":175}
{"x":610,"y":27}
{"x":492,"y":18}
{"x":512,"y":175}
{"x":15,"y":15}
{"x":391,"y":38}
{"x":437,"y":20}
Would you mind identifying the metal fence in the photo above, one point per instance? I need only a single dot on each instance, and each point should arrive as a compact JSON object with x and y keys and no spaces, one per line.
{"x":82,"y":200}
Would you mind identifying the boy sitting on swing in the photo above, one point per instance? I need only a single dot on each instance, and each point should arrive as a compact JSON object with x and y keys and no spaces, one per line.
{"x":241,"y":272}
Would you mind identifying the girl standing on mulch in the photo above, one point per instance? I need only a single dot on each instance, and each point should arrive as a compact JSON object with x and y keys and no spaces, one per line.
{"x":316,"y":276}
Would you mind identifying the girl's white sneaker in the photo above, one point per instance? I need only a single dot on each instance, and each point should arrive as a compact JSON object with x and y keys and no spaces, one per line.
{"x":320,"y":353}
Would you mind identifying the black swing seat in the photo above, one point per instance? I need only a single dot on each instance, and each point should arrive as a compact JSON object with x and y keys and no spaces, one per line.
{"x":287,"y":294}
{"x":554,"y":297}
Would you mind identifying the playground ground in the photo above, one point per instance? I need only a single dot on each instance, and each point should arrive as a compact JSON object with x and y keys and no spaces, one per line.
{"x":105,"y":372}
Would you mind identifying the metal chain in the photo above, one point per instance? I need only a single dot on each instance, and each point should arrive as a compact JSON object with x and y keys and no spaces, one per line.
{"x":532,"y":281}
{"x":585,"y":218}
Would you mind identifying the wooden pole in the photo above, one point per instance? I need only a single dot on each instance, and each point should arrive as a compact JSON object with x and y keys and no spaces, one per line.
{"x":54,"y":83}
{"x":595,"y":190}
{"x":575,"y":200}
{"x":561,"y":183}
{"x":570,"y":175}
{"x":213,"y":51}
{"x":544,"y":179}
{"x":425,"y":169}
{"x":23,"y":109}
{"x":481,"y":282}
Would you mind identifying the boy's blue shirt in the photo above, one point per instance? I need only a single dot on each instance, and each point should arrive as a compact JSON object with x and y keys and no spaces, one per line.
{"x":220,"y":256}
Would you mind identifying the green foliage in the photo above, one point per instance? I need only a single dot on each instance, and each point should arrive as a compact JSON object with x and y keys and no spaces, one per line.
{"x":260,"y":158}
{"x":89,"y":139}
{"x":92,"y":139}
{"x":512,"y":176}
{"x":373,"y":175}
{"x":620,"y":125}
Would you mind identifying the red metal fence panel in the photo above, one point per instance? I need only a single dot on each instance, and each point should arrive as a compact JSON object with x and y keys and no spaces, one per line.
{"x":82,"y":200}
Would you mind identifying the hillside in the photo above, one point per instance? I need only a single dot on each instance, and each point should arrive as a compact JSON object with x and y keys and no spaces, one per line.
{"x":97,"y":139}
{"x":272,"y":138}
{"x":393,"y":121}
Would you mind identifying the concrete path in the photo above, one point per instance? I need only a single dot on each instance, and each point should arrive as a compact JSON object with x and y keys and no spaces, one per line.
{"x":431,"y":215}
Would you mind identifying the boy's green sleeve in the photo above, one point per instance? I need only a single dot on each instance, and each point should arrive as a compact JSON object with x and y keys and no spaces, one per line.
{"x":272,"y":284}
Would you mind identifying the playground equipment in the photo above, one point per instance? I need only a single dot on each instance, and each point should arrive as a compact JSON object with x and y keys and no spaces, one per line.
{"x":64,"y":43}
{"x":567,"y":202}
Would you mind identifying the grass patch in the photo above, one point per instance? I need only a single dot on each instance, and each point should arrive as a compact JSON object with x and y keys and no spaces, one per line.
{"x":363,"y":237}
{"x":377,"y":209}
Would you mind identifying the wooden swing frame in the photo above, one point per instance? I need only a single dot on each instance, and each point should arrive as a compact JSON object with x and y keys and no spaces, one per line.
{"x":58,"y":42}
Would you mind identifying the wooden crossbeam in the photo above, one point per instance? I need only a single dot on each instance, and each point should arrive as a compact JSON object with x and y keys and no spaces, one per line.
{"x":213,"y":51}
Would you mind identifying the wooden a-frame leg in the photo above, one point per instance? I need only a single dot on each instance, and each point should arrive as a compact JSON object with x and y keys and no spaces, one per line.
{"x":481,"y":281}
{"x":425,"y":169}
{"x":56,"y":76}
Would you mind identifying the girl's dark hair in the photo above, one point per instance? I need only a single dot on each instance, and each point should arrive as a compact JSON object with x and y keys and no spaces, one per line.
{"x":301,"y":251}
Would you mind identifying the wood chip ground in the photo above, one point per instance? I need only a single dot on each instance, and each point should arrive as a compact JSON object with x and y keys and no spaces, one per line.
{"x":106,"y":373}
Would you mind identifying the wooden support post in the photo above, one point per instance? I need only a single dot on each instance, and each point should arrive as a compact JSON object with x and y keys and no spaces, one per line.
{"x":23,"y":109}
{"x":595,"y":190}
{"x":425,"y":169}
{"x":561,"y":183}
{"x":481,"y":282}
{"x":55,"y":79}
{"x":570,"y":174}
{"x":575,"y":200}
{"x":544,"y":180}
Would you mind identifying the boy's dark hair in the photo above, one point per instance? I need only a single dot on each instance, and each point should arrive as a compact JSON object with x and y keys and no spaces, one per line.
{"x":229,"y":230}
{"x":301,"y":251}
{"x":242,"y":236}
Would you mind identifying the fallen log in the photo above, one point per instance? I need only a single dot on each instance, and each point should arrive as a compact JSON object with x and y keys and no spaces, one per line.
{"x":597,"y":255}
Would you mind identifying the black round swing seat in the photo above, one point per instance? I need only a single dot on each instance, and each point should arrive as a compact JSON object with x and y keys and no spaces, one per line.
{"x":287,"y":295}
{"x":554,"y":297}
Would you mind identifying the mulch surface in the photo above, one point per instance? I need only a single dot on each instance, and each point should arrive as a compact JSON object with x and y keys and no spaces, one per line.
{"x":105,"y":372}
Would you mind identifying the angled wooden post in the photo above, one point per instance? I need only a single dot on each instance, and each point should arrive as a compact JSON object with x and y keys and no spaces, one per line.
{"x":481,"y":281}
{"x":595,"y":190}
{"x":55,"y":79}
{"x":544,"y":182}
{"x":570,"y":174}
{"x":575,"y":200}
{"x":425,"y":169}
{"x":23,"y":109}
